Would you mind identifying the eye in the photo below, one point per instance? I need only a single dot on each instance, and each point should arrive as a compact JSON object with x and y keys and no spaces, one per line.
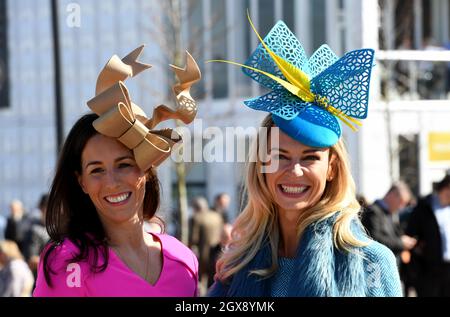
{"x":124,"y":165}
{"x":96,"y":170}
{"x":279,"y":156}
{"x":312,"y":158}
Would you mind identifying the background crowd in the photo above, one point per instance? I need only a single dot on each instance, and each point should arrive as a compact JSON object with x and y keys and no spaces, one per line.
{"x":416,"y":229}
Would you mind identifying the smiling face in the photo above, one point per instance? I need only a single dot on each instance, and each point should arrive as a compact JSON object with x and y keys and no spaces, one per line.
{"x":112,"y":179}
{"x":301,"y":177}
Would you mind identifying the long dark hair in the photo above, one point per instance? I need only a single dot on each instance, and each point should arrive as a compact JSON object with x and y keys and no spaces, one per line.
{"x":71,"y":213}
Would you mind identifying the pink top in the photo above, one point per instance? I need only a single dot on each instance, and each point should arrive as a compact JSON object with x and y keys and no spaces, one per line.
{"x":179,"y":274}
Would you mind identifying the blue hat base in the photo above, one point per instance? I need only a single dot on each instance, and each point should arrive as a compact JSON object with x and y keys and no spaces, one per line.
{"x":314,"y":127}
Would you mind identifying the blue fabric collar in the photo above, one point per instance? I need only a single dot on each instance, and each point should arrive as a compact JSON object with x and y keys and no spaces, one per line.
{"x":320,"y":269}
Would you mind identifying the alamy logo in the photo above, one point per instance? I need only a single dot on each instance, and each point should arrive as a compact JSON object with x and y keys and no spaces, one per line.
{"x":73,"y":19}
{"x":74,"y":277}
{"x":228,"y":144}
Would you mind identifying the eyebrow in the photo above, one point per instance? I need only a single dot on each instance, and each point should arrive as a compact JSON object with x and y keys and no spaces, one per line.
{"x":304,"y":152}
{"x":116,"y":160}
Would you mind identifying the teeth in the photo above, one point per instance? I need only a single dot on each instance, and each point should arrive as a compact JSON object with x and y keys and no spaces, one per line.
{"x":117,"y":199}
{"x":293,"y":189}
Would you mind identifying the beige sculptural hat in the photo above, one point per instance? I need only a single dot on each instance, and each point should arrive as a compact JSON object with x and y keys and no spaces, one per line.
{"x":120,"y":118}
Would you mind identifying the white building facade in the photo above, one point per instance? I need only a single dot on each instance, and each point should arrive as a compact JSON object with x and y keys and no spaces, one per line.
{"x":211,"y":29}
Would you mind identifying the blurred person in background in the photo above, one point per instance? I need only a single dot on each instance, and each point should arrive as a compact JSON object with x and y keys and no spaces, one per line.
{"x":206,"y":234}
{"x":37,"y":237}
{"x":16,"y":279}
{"x":381,"y":219}
{"x":18,"y":225}
{"x":222,"y":205}
{"x":429,"y":223}
{"x":362,"y":200}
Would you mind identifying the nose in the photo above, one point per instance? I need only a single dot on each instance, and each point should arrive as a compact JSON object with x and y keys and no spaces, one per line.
{"x":111,"y":179}
{"x":297,"y":169}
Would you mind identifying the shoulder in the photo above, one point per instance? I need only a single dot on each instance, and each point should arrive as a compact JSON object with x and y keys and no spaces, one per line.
{"x":218,"y":289}
{"x":378,"y":253}
{"x":175,"y":250}
{"x":67,"y":277}
{"x":375,"y":209}
{"x":18,"y":265}
{"x":64,"y":249}
{"x":214,"y":215}
{"x":424,"y":204}
{"x":61,"y":254}
{"x":381,"y":270}
{"x":20,"y":268}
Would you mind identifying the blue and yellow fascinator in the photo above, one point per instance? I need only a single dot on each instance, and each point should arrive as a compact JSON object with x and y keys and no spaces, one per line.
{"x":307,"y":96}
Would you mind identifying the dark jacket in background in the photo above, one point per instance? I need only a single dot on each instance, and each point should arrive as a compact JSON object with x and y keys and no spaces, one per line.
{"x":36,"y":239}
{"x":381,"y":226}
{"x":433,"y":275}
{"x":17,"y":231}
{"x":423,"y":225}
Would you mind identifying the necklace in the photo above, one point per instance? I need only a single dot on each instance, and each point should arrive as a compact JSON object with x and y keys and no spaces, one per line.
{"x":146,"y":261}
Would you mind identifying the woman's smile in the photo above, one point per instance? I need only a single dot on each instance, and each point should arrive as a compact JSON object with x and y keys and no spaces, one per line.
{"x":293,"y":190}
{"x":118,"y":199}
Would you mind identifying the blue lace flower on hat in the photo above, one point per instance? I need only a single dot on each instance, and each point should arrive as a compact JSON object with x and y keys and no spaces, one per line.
{"x":307,"y":96}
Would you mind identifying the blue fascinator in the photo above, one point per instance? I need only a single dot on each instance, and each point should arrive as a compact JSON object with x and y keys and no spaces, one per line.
{"x":308,"y":96}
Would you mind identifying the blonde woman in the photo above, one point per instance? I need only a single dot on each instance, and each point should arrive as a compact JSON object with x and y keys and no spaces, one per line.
{"x":16,"y":279}
{"x":299,"y":233}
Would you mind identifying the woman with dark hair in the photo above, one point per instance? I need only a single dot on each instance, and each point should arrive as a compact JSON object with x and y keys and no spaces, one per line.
{"x":105,"y":188}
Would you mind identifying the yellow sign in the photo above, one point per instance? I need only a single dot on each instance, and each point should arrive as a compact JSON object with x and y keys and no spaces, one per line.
{"x":439,"y":146}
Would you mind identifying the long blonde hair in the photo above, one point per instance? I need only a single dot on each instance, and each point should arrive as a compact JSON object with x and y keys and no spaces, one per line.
{"x":259,"y":218}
